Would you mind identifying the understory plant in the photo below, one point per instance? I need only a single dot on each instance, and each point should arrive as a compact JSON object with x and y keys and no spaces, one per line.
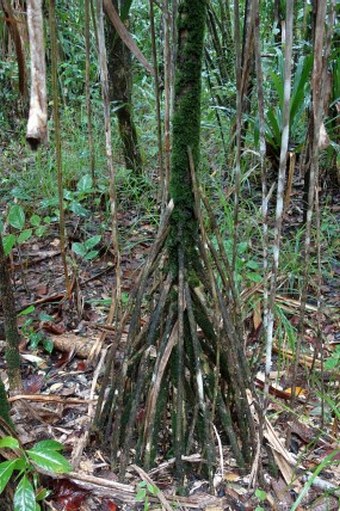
{"x":24,"y":464}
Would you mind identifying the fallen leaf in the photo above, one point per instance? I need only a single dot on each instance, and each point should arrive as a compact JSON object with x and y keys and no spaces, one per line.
{"x":52,"y":328}
{"x":109,"y":505}
{"x":33,"y":383}
{"x":299,"y":391}
{"x":69,"y":496}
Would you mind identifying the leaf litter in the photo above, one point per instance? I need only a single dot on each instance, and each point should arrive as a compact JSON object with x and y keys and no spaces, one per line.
{"x":59,"y":390}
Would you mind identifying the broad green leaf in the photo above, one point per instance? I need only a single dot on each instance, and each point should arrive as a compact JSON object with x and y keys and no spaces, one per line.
{"x":68,"y":195}
{"x":6,"y":471}
{"x":27,"y":311}
{"x":8,"y":243}
{"x":40,"y":231}
{"x":152,"y":489}
{"x":35,"y":220}
{"x":242,"y":247}
{"x":35,"y":339}
{"x":45,"y":317}
{"x":253,"y":265}
{"x":49,"y":203}
{"x":18,"y":193}
{"x":50,"y":460}
{"x":51,"y":445}
{"x":43,"y":494}
{"x":10,"y":442}
{"x":141,"y":494}
{"x":48,"y":345}
{"x":125,"y":297}
{"x":79,"y":249}
{"x":78,"y":209}
{"x":85,"y":184}
{"x":24,"y":497}
{"x":91,"y":255}
{"x":92,"y":242}
{"x":254,"y":277}
{"x":261,"y":494}
{"x":1,"y":226}
{"x":16,"y":216}
{"x":24,"y":235}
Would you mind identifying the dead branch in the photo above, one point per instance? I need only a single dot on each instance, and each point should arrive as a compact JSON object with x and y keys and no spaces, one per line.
{"x":37,"y":120}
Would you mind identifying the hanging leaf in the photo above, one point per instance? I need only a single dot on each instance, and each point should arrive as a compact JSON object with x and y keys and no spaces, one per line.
{"x":16,"y":216}
{"x":24,"y":496}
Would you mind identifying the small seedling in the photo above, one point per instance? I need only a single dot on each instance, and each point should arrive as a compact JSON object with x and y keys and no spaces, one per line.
{"x":43,"y":455}
{"x":261,"y":495}
{"x":144,"y":491}
{"x":35,"y":337}
{"x":23,"y":229}
{"x":85,"y":249}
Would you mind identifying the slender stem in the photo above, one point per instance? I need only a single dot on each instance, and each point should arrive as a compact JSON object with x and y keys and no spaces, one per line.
{"x":87,"y":91}
{"x":167,"y":96}
{"x":57,"y":137}
{"x":318,"y":81}
{"x":157,"y":97}
{"x":179,"y":439}
{"x":280,"y":186}
{"x":116,"y":294}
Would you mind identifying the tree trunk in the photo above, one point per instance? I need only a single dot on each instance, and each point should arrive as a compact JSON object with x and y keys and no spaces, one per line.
{"x":166,"y":395}
{"x":10,"y":323}
{"x":120,"y":78}
{"x":186,"y":128}
{"x":4,"y":405}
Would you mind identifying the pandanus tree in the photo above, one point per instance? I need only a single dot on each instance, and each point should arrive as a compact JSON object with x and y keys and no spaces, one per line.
{"x":183,"y":368}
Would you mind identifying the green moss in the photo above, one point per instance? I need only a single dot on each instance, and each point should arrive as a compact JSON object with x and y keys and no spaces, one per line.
{"x":186,"y":127}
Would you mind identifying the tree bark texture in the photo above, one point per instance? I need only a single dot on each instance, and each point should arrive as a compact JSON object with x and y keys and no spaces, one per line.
{"x":12,"y":23}
{"x":120,"y":84}
{"x":10,"y":322}
{"x":4,"y":405}
{"x":186,"y":126}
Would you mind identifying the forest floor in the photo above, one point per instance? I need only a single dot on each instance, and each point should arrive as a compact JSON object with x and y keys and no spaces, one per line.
{"x":58,"y":385}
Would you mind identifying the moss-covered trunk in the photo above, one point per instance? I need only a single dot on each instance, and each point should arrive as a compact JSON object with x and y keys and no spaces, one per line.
{"x":168,"y":392}
{"x":4,"y":405}
{"x":186,"y":126}
{"x":10,"y":323}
